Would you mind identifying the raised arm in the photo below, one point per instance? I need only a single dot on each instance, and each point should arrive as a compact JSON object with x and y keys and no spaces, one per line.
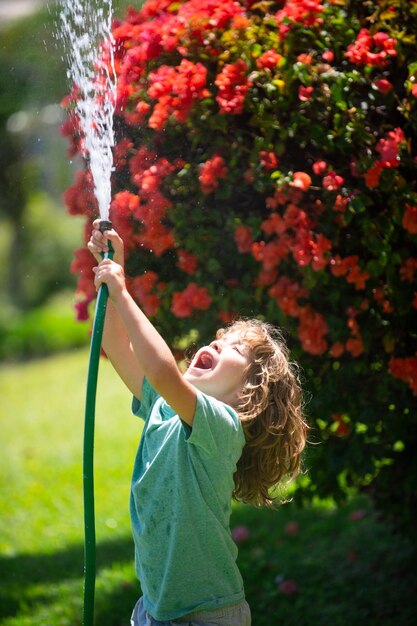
{"x":153,"y":357}
{"x":116,"y":342}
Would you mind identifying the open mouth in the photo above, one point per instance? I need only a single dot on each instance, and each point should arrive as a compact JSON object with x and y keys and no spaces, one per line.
{"x":204,"y":361}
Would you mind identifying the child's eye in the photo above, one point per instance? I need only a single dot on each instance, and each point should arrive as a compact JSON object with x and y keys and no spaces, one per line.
{"x":238,"y":349}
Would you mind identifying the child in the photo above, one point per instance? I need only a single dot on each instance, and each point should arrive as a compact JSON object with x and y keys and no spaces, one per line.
{"x":231,"y":426}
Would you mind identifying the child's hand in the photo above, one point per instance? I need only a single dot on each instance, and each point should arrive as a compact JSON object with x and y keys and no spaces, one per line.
{"x":113,"y":275}
{"x":98,"y":244}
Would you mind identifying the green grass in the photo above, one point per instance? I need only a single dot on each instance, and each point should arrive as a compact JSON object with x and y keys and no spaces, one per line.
{"x":347,"y":572}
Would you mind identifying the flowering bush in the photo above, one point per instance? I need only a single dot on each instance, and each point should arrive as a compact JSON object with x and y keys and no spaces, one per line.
{"x":266,"y":165}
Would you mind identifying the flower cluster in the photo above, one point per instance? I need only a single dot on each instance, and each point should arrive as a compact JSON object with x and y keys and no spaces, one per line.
{"x":233,"y":85}
{"x":373,"y":49}
{"x":266,"y":164}
{"x":184,"y":303}
{"x":176,"y":89}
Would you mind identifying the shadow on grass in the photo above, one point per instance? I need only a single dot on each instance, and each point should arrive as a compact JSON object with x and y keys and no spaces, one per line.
{"x":18,"y":574}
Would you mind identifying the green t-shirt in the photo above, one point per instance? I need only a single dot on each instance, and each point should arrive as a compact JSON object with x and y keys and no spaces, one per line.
{"x":180,"y":506}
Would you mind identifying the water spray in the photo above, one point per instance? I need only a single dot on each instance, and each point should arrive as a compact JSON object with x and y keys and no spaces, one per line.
{"x":87,"y":32}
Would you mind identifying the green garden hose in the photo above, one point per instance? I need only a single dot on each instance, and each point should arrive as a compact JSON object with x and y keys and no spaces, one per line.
{"x":88,"y":450}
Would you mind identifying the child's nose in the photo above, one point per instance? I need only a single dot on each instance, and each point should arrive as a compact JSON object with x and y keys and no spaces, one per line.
{"x":215,"y":345}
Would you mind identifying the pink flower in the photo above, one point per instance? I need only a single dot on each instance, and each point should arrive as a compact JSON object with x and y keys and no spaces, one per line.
{"x":288,"y":587}
{"x":240,"y":534}
{"x":414,"y":91}
{"x":292,"y":528}
{"x":388,"y":147}
{"x":81,"y":308}
{"x":357,"y":515}
{"x":328,"y":56}
{"x":332,"y":181}
{"x":305,"y":93}
{"x":319,"y":167}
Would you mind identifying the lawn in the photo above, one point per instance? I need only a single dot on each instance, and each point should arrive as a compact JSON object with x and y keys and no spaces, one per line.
{"x":314,"y":566}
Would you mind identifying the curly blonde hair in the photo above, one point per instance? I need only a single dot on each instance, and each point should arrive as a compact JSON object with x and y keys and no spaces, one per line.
{"x":270,"y":409}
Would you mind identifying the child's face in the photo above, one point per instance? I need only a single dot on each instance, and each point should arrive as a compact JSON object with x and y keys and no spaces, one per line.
{"x":218,"y":369}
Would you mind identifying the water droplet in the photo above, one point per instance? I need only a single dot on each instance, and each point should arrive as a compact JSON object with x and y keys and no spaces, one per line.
{"x":111,"y":523}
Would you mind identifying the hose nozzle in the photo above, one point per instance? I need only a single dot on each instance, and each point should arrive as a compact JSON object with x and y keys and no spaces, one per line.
{"x":105,"y":225}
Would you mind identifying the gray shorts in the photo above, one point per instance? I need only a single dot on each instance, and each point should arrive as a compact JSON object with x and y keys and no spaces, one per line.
{"x":236,"y":615}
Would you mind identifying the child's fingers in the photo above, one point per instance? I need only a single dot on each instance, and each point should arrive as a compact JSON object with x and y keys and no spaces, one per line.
{"x":117,"y":244}
{"x":95,"y":250}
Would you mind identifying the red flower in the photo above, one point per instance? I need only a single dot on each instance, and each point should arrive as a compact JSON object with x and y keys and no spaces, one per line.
{"x":383,"y":85}
{"x":405,"y":368}
{"x":305,"y":12}
{"x":340,"y":203}
{"x":312,"y":330}
{"x":192,"y":298}
{"x":269,"y":160}
{"x":210,"y":173}
{"x":269,"y":60}
{"x":408,"y":269}
{"x":156,"y":237}
{"x":80,"y":198}
{"x":143,"y":289}
{"x":373,"y":175}
{"x":410,"y":219}
{"x":81,"y":310}
{"x":301,"y":180}
{"x":176,"y":89}
{"x":121,"y":151}
{"x":187,"y":261}
{"x":371,"y":49}
{"x":305,"y":58}
{"x":233,"y":85}
{"x":274,"y":224}
{"x":287,"y":294}
{"x":337,"y":350}
{"x":320,"y":251}
{"x":343,"y":428}
{"x":82,"y":265}
{"x":243,"y":238}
